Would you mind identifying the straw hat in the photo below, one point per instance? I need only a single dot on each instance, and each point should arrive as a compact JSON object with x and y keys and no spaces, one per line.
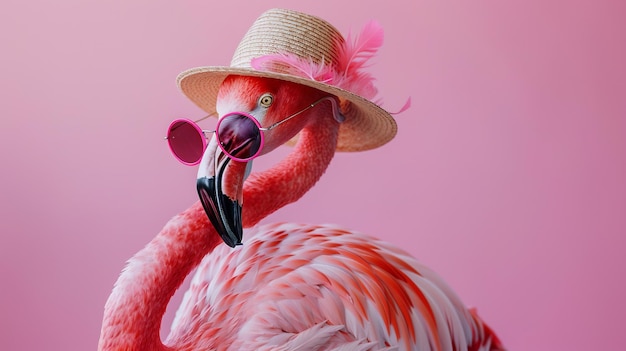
{"x":280,"y":31}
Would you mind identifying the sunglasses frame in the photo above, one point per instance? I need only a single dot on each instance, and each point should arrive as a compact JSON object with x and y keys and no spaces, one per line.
{"x":337,"y":115}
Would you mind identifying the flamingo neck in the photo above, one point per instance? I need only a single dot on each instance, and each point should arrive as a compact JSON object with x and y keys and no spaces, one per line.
{"x":290,"y":179}
{"x":133,"y":312}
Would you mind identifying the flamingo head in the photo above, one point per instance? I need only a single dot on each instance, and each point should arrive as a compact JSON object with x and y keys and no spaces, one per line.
{"x":280,"y":109}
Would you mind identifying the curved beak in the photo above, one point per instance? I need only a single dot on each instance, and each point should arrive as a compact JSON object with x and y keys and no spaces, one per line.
{"x":220,"y":187}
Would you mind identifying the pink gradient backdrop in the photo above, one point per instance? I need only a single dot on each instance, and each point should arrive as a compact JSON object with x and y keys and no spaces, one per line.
{"x":507,"y":175}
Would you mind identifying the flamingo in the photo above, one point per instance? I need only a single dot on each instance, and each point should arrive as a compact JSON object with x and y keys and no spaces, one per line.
{"x":289,"y":286}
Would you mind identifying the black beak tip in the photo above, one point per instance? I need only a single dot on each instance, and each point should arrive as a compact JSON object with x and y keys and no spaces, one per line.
{"x":224,"y":213}
{"x":230,"y":239}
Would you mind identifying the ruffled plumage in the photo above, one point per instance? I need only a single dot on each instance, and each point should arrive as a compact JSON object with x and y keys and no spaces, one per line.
{"x":322,"y":287}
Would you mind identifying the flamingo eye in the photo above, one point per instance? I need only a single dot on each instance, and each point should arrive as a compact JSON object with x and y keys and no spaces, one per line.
{"x":266,"y":100}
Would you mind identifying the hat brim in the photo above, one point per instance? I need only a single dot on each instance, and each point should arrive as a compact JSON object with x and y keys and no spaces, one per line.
{"x":367,"y":125}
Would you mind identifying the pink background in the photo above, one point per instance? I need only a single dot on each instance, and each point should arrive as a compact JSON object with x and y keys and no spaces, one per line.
{"x":507,"y":175}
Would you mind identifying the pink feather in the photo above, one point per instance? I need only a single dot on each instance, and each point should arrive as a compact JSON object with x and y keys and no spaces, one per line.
{"x":348,"y":73}
{"x":353,"y":56}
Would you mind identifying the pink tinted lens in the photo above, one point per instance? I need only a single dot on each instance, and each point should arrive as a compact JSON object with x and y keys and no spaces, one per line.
{"x":186,"y":141}
{"x":239,"y":136}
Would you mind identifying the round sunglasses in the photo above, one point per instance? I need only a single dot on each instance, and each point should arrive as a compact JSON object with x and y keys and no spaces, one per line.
{"x":241,"y":137}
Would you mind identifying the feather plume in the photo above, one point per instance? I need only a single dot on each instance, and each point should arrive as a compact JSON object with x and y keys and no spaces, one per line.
{"x":354,"y":54}
{"x":347,"y":74}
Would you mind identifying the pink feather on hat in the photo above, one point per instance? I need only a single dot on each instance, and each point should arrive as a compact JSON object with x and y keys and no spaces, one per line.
{"x":347,"y":74}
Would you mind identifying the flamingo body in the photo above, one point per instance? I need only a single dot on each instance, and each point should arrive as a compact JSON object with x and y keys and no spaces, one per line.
{"x":289,"y":286}
{"x":312,"y":287}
